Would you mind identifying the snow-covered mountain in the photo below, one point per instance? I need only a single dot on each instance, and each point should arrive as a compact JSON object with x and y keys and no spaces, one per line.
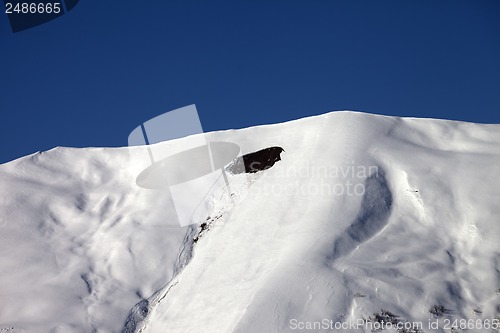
{"x":366,"y":221}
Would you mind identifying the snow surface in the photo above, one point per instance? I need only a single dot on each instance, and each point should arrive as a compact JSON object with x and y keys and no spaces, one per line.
{"x":365,"y":218}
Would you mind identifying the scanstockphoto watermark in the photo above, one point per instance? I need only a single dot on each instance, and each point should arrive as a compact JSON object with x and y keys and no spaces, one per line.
{"x":363,"y":325}
{"x":312,"y":189}
{"x":325,"y":171}
{"x":186,"y":172}
{"x":360,"y":325}
{"x":322,"y":180}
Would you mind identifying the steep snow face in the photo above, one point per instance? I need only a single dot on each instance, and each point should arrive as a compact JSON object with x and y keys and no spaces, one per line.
{"x":362,"y":213}
{"x":80,"y":243}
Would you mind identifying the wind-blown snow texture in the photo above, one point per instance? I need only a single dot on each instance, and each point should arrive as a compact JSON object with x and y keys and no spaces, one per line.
{"x":363,"y":213}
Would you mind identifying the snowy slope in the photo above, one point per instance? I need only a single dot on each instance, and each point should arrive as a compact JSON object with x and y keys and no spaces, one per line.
{"x":363,"y":213}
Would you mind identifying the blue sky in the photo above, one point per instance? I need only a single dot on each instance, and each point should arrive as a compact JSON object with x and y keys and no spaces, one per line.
{"x":91,"y":76}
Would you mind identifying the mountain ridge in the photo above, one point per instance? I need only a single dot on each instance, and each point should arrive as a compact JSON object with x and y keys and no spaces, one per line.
{"x":83,"y":245}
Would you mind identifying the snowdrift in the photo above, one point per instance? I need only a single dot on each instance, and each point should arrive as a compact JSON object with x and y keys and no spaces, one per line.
{"x":366,"y":220}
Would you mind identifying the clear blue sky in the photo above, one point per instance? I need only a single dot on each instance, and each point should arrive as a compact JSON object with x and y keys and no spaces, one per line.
{"x":91,"y":76}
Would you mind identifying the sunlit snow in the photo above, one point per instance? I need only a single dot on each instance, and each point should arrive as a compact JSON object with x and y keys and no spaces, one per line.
{"x":366,"y":219}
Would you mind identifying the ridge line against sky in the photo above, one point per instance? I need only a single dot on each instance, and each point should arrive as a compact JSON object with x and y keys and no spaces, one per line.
{"x":91,"y":76}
